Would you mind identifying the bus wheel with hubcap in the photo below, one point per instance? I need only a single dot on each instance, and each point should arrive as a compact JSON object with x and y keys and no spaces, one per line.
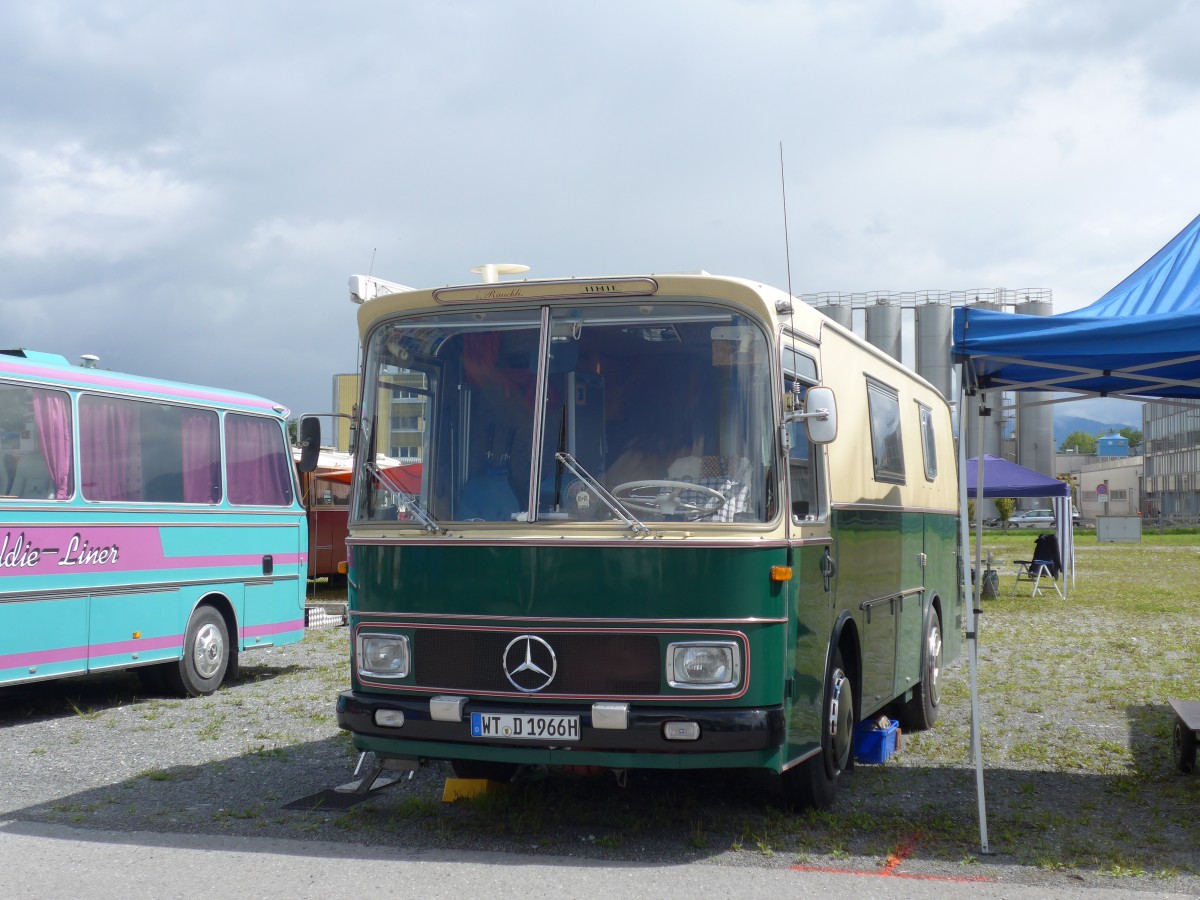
{"x":920,"y":712}
{"x":491,"y":770}
{"x":205,"y":655}
{"x":814,"y":782}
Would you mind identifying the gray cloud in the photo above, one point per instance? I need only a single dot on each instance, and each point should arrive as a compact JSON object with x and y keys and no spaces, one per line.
{"x":184,"y":188}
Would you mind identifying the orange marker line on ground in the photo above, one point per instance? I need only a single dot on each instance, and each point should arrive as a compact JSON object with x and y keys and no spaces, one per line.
{"x":894,"y":860}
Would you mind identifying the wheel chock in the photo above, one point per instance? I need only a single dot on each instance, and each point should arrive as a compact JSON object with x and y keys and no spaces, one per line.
{"x":457,"y":788}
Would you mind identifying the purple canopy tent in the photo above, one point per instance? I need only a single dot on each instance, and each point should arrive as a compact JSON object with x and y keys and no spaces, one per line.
{"x":1002,"y":478}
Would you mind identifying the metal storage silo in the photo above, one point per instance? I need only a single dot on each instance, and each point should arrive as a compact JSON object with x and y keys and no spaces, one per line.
{"x":934,"y":325}
{"x":883,"y":327}
{"x":842,"y":313}
{"x":993,"y":425}
{"x":1035,"y":423}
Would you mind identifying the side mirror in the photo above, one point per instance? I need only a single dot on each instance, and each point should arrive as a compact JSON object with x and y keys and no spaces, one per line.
{"x":310,"y":443}
{"x":820,"y":415}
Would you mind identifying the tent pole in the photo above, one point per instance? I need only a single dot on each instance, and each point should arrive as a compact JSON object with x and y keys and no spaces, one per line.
{"x":972,"y":588}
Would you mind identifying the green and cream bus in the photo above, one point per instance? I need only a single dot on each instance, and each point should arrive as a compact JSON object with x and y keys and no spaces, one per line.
{"x":665,"y":521}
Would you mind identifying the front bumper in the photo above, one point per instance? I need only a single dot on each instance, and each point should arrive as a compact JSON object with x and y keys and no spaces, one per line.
{"x":736,"y":730}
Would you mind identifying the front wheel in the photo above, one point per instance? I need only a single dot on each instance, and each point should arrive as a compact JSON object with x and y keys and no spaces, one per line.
{"x":814,"y":782}
{"x":205,"y":655}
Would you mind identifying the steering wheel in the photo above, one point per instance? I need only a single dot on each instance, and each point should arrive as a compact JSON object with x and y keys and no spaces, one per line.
{"x":656,"y":496}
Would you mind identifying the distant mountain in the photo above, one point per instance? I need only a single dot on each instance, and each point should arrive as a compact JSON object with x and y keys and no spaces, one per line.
{"x":1065,"y":425}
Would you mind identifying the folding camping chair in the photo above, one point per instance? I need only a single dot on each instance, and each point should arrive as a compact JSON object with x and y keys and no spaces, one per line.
{"x":1046,"y":563}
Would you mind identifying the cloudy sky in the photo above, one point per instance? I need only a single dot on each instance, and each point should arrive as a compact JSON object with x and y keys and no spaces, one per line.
{"x":185,"y":187}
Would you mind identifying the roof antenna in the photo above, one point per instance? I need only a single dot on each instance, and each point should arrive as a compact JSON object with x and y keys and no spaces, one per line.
{"x":791,"y":302}
{"x":786,"y":244}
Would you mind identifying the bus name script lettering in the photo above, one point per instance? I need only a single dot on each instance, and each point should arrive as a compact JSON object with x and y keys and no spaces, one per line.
{"x":18,"y":552}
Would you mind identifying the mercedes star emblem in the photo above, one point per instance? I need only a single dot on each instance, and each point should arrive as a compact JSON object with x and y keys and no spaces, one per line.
{"x":529,"y":663}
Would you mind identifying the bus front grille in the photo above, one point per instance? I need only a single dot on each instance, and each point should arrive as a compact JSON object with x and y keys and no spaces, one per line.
{"x":593,"y":664}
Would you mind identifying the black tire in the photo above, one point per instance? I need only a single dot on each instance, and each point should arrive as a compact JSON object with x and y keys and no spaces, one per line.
{"x":500,"y":772}
{"x":1183,"y":747}
{"x":921,"y":711}
{"x":205,"y":655}
{"x":814,"y":782}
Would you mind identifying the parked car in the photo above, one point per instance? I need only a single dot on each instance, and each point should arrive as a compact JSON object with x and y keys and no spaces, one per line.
{"x":1039,"y":518}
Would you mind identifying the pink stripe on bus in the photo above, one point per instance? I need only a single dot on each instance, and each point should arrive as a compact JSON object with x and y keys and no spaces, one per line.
{"x":121,"y":648}
{"x":169,"y":389}
{"x":42,"y":657}
{"x":273,"y":628}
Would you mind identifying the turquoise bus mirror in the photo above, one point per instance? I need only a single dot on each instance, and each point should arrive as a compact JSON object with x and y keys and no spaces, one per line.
{"x":310,"y":443}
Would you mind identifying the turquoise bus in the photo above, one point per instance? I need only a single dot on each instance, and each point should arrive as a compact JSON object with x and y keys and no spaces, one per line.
{"x":662,"y":521}
{"x":143,"y":524}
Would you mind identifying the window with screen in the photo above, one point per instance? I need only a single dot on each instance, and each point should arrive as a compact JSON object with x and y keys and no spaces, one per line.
{"x":887,"y":445}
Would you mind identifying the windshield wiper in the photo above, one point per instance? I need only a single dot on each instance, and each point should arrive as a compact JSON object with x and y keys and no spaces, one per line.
{"x":608,"y":499}
{"x":409,"y":502}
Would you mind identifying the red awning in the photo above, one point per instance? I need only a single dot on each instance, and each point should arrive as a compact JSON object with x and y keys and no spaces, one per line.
{"x":402,"y":478}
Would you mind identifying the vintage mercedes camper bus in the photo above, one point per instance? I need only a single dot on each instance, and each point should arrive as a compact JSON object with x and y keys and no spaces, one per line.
{"x":665,"y":521}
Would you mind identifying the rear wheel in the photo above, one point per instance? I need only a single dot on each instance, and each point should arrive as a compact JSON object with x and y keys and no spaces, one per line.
{"x":205,"y":655}
{"x":815,"y":781}
{"x":921,"y":711}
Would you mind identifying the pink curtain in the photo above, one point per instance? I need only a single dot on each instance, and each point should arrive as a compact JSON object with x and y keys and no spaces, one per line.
{"x":110,"y":450}
{"x":201,"y":452}
{"x":258,"y":462}
{"x":52,"y":416}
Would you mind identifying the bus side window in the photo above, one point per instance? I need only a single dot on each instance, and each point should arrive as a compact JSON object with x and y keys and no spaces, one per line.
{"x":803,"y":457}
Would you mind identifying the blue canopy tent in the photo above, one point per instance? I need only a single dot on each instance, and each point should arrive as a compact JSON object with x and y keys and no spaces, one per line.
{"x":1140,"y":341}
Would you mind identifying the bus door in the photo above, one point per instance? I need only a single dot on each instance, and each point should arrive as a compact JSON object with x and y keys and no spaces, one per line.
{"x":916,"y":570}
{"x":43,"y":617}
{"x":814,"y":566}
{"x":878,"y":532}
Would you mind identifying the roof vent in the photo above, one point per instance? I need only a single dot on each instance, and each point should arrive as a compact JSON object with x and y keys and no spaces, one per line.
{"x":89,"y":360}
{"x":491,"y":272}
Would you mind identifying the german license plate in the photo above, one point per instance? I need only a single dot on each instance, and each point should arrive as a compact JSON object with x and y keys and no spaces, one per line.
{"x":504,"y":726}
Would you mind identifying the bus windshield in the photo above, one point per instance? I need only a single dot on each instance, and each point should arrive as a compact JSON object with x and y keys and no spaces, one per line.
{"x":660,"y":413}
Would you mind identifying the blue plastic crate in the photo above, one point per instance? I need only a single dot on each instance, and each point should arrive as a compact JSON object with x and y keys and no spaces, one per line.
{"x":875,"y":745}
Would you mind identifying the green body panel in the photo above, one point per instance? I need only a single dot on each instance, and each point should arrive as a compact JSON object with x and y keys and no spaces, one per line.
{"x":649,"y":580}
{"x":683,"y":587}
{"x":892,"y":567}
{"x":808,"y":637}
{"x":674,"y":587}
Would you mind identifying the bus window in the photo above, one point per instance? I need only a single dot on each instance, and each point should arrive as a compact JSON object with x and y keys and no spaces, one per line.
{"x":258,"y":465}
{"x":663,"y":407}
{"x":138,"y":451}
{"x":886,"y":444}
{"x":35,"y":440}
{"x":928,"y":442}
{"x":804,"y":457}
